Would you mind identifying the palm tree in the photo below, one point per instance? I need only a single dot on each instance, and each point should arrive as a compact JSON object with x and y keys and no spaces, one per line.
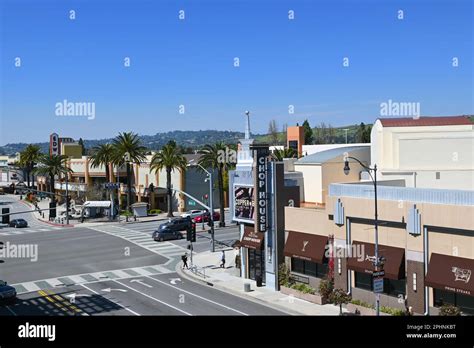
{"x":169,"y":158}
{"x":103,"y":155}
{"x":286,"y":152}
{"x":128,"y":145}
{"x":52,"y":166}
{"x":29,"y":157}
{"x":215,"y":156}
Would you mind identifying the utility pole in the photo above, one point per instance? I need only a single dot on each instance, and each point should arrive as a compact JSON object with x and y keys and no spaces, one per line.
{"x":211,"y":218}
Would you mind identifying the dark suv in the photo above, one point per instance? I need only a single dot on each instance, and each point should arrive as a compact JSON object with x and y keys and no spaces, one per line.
{"x":7,"y":292}
{"x":172,"y":229}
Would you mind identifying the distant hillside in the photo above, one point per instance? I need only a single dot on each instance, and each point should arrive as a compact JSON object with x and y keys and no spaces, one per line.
{"x":193,"y":139}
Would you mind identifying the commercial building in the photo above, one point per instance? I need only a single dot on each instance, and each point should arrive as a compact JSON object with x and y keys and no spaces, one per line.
{"x":425,"y":233}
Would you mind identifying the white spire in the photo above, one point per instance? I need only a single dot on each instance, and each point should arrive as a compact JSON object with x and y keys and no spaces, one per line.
{"x":247,"y":125}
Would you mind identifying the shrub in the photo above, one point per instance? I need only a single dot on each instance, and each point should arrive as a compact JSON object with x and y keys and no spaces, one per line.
{"x":326,"y":287}
{"x":304,"y":288}
{"x":284,"y":275}
{"x":449,"y":310}
{"x":392,"y":311}
{"x":125,"y":213}
{"x":362,"y":303}
{"x":154,"y":211}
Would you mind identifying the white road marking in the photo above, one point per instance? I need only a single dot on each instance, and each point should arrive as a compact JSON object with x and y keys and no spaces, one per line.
{"x":155,"y":299}
{"x":198,"y":296}
{"x":11,"y":311}
{"x":140,"y":281}
{"x":118,"y":304}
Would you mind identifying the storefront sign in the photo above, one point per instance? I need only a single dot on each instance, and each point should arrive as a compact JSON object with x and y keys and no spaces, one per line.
{"x":54,"y":144}
{"x":244,"y":206}
{"x":261,"y":188}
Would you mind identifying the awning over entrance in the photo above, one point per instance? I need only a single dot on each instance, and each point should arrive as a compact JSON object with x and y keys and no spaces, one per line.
{"x":309,"y":247}
{"x":250,"y":239}
{"x":450,"y":273}
{"x":97,"y":204}
{"x":394,"y":265}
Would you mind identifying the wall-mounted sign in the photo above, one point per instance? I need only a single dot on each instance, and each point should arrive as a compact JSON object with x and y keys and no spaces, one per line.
{"x":261,"y":154}
{"x":54,"y":144}
{"x":244,"y":206}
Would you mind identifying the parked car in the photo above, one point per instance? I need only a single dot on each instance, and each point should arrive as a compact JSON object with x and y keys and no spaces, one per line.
{"x":216,"y":217}
{"x":7,"y":292}
{"x":18,"y":223}
{"x":192,"y":213}
{"x":172,"y":229}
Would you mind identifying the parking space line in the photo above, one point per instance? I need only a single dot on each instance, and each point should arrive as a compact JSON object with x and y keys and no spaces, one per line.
{"x":118,"y":304}
{"x":153,"y":298}
{"x":198,"y":296}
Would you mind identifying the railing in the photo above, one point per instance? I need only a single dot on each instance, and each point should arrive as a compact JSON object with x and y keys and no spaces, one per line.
{"x":199,"y":271}
{"x":390,"y":193}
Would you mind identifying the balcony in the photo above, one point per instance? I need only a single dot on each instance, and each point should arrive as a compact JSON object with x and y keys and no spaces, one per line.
{"x":390,"y":193}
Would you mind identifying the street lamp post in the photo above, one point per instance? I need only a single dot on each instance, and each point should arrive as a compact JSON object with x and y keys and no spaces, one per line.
{"x":377,"y":262}
{"x":211,"y":207}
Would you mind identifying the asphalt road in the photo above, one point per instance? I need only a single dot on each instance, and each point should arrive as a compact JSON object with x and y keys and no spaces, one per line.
{"x":164,"y":294}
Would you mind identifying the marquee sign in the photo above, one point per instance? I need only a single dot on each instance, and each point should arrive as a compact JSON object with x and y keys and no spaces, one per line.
{"x":54,"y":144}
{"x":261,"y":154}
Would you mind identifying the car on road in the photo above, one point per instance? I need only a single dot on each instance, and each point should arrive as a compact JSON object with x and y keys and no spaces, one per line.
{"x":7,"y":292}
{"x":216,"y":217}
{"x":192,"y":213}
{"x":18,"y":223}
{"x":172,"y":229}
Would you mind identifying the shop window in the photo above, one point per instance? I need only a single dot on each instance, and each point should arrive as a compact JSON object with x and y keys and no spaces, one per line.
{"x":391,"y":287}
{"x":309,"y":268}
{"x":464,"y":302}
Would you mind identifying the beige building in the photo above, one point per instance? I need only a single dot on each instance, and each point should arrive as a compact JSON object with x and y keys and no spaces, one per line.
{"x":433,"y":152}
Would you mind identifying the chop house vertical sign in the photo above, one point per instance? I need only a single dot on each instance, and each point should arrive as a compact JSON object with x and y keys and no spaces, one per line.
{"x":261,"y":153}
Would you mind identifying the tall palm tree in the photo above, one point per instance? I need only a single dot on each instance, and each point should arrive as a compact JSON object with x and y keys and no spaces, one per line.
{"x":29,"y":157}
{"x":103,"y":155}
{"x":286,"y":152}
{"x":52,"y":166}
{"x":215,"y":156}
{"x":169,"y":158}
{"x":128,"y":144}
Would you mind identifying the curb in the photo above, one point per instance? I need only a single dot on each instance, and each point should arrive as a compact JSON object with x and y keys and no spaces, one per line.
{"x":235,"y":293}
{"x":44,"y":221}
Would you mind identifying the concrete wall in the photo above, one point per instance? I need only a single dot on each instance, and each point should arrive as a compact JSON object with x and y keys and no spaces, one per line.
{"x":313,"y":183}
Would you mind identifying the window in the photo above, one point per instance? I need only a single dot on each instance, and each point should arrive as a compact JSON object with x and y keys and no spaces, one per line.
{"x":391,"y":287}
{"x":309,"y":268}
{"x":464,"y":302}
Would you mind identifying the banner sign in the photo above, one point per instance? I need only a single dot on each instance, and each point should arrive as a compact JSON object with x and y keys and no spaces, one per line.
{"x":244,"y":206}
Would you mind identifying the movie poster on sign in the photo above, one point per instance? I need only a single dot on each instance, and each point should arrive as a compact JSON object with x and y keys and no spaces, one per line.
{"x":244,"y":207}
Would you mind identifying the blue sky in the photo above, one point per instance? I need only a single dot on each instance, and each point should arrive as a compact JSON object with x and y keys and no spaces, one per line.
{"x":282,"y":62}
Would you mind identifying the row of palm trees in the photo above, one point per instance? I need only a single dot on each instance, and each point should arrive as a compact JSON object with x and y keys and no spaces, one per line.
{"x":127,"y":149}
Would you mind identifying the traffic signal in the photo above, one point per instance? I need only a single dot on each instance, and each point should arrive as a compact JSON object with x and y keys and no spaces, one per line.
{"x":5,"y":218}
{"x":1,"y":247}
{"x":68,"y":203}
{"x":191,"y":232}
{"x":52,"y":209}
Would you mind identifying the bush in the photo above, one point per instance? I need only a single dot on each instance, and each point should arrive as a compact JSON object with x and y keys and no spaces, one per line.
{"x":154,"y":211}
{"x":392,"y":311}
{"x":449,"y":310}
{"x":339,"y":297}
{"x":284,"y":275}
{"x":125,"y":213}
{"x":326,"y":288}
{"x":362,"y":303}
{"x":304,"y":288}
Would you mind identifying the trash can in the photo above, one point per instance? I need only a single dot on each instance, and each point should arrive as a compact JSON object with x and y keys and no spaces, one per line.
{"x":247,"y":287}
{"x":259,"y":281}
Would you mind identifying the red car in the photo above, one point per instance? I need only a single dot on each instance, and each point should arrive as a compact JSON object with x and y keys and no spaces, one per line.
{"x":216,"y":217}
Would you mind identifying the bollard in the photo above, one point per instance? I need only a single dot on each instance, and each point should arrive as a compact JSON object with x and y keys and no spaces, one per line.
{"x":247,"y":287}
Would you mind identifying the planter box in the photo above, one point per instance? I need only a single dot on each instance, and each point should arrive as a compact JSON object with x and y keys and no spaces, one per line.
{"x":363,"y":310}
{"x":316,"y":298}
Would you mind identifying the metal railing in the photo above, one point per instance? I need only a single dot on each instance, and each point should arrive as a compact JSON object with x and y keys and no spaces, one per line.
{"x":199,"y":271}
{"x":390,"y":193}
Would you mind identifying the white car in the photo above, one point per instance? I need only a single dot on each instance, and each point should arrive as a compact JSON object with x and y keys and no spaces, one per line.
{"x":192,"y":213}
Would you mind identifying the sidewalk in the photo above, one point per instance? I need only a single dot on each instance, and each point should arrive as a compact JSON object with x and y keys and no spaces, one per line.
{"x":228,"y":280}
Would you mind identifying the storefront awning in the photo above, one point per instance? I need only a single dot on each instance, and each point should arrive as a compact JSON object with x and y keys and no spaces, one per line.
{"x":394,"y":265}
{"x":309,"y":247}
{"x":97,"y":204}
{"x":250,"y":239}
{"x":450,"y":273}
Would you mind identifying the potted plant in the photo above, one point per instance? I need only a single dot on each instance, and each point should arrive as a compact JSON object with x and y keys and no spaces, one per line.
{"x":449,"y":310}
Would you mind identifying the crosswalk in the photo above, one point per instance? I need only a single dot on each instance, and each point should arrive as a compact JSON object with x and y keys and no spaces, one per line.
{"x":17,"y":231}
{"x":143,"y":239}
{"x":87,"y":278}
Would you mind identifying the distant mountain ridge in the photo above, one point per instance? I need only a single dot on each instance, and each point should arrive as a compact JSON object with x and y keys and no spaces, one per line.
{"x":194,"y":139}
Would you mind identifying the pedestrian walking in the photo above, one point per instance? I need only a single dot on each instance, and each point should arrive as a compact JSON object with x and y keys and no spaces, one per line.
{"x":223,"y":259}
{"x":184,"y":258}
